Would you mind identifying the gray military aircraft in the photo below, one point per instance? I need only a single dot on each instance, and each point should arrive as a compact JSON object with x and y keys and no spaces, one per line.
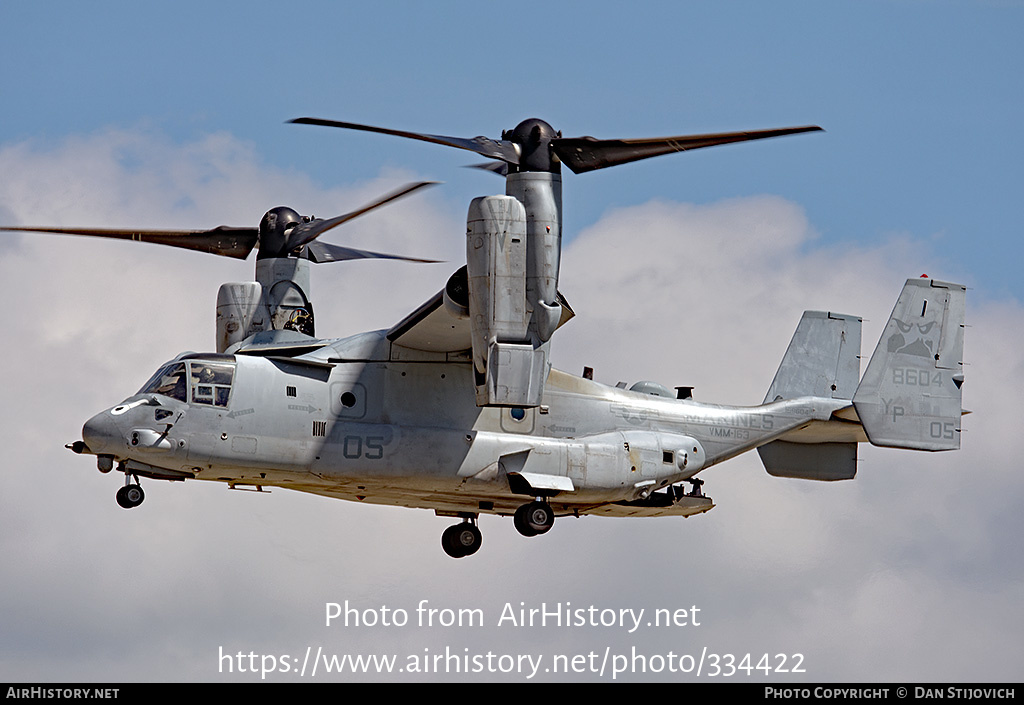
{"x":456,"y":408}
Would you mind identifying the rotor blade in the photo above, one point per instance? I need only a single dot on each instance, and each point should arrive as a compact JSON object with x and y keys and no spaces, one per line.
{"x":587,"y":153}
{"x":495,"y":149}
{"x":499,"y":168}
{"x":223,"y":240}
{"x":321,"y":252}
{"x":307,"y":232}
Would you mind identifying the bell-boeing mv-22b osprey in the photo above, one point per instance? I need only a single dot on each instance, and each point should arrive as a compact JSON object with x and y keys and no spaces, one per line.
{"x":456,"y":408}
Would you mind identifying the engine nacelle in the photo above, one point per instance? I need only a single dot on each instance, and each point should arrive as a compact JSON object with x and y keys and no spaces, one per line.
{"x":540,"y":192}
{"x":279,"y":300}
{"x":240,"y":313}
{"x":509,"y":361}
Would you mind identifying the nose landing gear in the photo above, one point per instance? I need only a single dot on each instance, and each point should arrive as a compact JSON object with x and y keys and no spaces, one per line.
{"x":131,"y":495}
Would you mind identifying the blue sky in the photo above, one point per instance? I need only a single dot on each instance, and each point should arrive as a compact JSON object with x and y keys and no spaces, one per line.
{"x":687,"y":269}
{"x":920,"y":100}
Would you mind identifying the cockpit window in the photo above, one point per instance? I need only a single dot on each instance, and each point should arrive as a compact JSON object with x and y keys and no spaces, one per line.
{"x":171,"y":381}
{"x":211,"y":382}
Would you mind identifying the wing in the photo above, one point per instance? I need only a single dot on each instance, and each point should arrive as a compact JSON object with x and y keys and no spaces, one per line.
{"x":441,"y":325}
{"x":433,"y":327}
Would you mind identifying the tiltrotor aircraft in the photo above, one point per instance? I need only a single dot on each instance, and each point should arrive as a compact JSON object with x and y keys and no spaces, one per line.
{"x":456,"y":408}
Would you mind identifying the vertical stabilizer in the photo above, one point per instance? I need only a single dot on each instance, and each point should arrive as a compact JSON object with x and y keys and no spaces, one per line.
{"x":910,"y":394}
{"x":823,"y":359}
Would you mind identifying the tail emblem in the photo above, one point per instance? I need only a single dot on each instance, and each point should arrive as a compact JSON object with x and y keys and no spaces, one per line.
{"x":921,"y":347}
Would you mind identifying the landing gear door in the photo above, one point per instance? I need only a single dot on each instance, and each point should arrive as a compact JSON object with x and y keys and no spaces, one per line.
{"x":577,"y":464}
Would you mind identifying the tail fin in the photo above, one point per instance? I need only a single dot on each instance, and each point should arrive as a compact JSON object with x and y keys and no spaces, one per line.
{"x":823,"y":360}
{"x":910,"y":395}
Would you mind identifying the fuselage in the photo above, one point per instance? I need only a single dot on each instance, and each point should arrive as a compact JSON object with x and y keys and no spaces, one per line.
{"x":361,"y":420}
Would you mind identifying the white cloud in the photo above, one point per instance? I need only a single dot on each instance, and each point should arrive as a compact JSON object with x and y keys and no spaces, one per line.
{"x":854,"y":575}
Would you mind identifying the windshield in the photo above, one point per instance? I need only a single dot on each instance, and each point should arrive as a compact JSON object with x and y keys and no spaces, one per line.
{"x":205,"y":381}
{"x":170,"y":380}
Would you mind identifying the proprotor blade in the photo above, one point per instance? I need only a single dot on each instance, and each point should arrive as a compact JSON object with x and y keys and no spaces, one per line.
{"x":499,"y":168}
{"x":587,"y":153}
{"x":307,"y":232}
{"x":321,"y":252}
{"x":223,"y":240}
{"x":495,"y":149}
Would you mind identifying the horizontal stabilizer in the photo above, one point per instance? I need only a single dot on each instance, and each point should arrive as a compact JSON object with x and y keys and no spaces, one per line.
{"x":910,"y":395}
{"x":820,"y":461}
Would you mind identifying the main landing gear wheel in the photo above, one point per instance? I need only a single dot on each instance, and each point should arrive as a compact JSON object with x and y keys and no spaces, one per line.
{"x":534,"y":518}
{"x":461,"y":540}
{"x":130,"y":496}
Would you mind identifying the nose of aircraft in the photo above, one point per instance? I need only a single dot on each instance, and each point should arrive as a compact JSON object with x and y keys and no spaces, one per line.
{"x":101,"y":434}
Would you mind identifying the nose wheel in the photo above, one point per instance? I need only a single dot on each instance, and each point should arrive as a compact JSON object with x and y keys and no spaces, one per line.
{"x":461,"y":540}
{"x":131,"y":495}
{"x":534,"y":518}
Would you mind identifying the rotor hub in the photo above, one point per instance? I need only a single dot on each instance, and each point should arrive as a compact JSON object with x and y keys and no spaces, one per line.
{"x":533,"y":138}
{"x":274,"y":229}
